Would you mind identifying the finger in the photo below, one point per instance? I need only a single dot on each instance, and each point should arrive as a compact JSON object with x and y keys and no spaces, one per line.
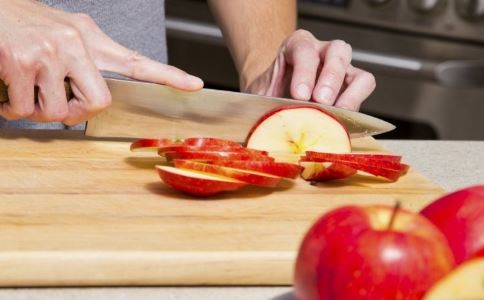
{"x":337,"y":58}
{"x":116,"y":58}
{"x":304,"y":58}
{"x":90,"y":90}
{"x":360,"y":85}
{"x":52,"y":101}
{"x":21,"y":97}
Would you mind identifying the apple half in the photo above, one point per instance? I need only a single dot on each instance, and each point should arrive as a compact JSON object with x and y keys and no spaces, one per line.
{"x":197,"y":183}
{"x":465,"y":282}
{"x":251,"y":177}
{"x":297,"y":129}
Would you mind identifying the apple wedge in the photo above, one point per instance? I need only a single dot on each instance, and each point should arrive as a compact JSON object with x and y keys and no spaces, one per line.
{"x":282,"y":169}
{"x":251,"y":177}
{"x":151,"y":145}
{"x":465,"y":282}
{"x":197,"y":183}
{"x":297,"y":129}
{"x":325,"y":171}
{"x":214,"y":155}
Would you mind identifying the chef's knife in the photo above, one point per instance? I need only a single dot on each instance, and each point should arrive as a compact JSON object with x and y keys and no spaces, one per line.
{"x":141,"y":109}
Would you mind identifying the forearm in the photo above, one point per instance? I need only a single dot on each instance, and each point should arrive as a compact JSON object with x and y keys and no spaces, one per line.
{"x":254,"y":31}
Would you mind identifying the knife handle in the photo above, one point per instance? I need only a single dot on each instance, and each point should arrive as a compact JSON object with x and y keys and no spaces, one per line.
{"x":4,"y":91}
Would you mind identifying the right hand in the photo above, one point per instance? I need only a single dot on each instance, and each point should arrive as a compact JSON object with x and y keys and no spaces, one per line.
{"x":41,"y":46}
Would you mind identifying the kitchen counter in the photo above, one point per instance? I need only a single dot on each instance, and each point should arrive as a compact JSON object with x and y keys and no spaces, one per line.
{"x":450,"y":164}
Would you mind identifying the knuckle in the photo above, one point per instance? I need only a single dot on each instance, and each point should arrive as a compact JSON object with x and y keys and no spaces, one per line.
{"x":133,"y":61}
{"x":342,"y":45}
{"x":370,"y":78}
{"x":101,"y":102}
{"x":69,"y":34}
{"x":84,"y":21}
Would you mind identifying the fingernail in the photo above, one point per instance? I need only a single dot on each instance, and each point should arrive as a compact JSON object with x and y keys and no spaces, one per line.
{"x":303,"y":92}
{"x":325,"y":95}
{"x":195,"y":80}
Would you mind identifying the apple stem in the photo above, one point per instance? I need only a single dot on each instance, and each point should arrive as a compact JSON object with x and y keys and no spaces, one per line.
{"x":396,"y":207}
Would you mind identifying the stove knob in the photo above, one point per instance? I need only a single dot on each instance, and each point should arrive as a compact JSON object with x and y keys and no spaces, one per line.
{"x":426,"y":6}
{"x":470,"y":9}
{"x":378,"y":2}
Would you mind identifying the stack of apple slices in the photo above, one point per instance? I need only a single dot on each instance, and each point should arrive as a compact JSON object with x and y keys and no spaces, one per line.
{"x":329,"y":166}
{"x":209,"y":166}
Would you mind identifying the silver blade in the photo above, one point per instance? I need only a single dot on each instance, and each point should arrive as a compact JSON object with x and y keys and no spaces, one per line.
{"x":141,"y":109}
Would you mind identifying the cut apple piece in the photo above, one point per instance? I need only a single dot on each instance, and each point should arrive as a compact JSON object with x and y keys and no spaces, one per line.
{"x":251,"y":177}
{"x":360,"y":160}
{"x":465,"y":282}
{"x":282,"y":169}
{"x":325,"y":171}
{"x":297,"y":129}
{"x":215,"y":155}
{"x":357,"y":157}
{"x":207,"y":141}
{"x":150,"y":144}
{"x":197,"y":183}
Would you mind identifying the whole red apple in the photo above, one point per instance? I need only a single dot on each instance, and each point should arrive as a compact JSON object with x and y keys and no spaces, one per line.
{"x":460,"y":216}
{"x":374,"y":252}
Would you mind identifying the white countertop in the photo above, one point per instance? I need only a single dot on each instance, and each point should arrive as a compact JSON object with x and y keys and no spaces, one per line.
{"x":450,"y":164}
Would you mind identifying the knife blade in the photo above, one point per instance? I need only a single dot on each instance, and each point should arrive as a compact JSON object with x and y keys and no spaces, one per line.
{"x":147,"y":110}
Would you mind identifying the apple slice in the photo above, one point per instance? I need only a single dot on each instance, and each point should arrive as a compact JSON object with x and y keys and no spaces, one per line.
{"x":197,"y":183}
{"x":282,"y":169}
{"x":251,"y":177}
{"x":206,"y":141}
{"x":356,"y":157}
{"x":385,"y":169}
{"x":215,"y":155}
{"x":151,"y":144}
{"x":210,"y":148}
{"x":297,"y":129}
{"x":325,"y":171}
{"x":464,"y":283}
{"x":386,"y":164}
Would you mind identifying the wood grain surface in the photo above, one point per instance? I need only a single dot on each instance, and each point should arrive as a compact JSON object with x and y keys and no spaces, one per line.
{"x":81,"y":211}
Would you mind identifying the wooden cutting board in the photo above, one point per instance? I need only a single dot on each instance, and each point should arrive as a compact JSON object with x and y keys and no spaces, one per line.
{"x":80,"y":211}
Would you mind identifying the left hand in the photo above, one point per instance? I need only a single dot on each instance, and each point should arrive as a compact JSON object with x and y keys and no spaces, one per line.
{"x":308,"y":69}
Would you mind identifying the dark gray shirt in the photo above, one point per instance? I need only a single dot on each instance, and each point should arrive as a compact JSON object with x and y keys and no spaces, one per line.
{"x":138,"y":25}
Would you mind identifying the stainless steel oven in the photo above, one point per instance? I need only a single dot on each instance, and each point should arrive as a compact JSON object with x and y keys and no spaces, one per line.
{"x":427,"y":56}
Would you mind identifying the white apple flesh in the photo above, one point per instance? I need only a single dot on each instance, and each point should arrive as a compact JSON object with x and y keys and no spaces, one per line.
{"x":297,"y":129}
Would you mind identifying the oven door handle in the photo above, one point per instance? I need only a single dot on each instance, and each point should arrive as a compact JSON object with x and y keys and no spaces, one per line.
{"x":455,"y":73}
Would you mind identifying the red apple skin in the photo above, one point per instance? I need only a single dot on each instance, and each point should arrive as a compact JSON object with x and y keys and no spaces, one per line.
{"x":286,"y":170}
{"x":150,"y":144}
{"x":196,"y":186}
{"x":343,"y":257}
{"x":215,"y":155}
{"x":211,"y":148}
{"x":242,"y":175}
{"x":207,"y":141}
{"x":355,"y":157}
{"x":285,"y":107}
{"x":460,"y":216}
{"x":333,"y":172}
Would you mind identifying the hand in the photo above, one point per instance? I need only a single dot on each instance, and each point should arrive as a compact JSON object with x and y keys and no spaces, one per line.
{"x":309,"y":69}
{"x":41,"y":46}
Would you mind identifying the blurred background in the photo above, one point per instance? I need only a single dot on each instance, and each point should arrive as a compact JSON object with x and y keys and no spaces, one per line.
{"x":427,"y":57}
